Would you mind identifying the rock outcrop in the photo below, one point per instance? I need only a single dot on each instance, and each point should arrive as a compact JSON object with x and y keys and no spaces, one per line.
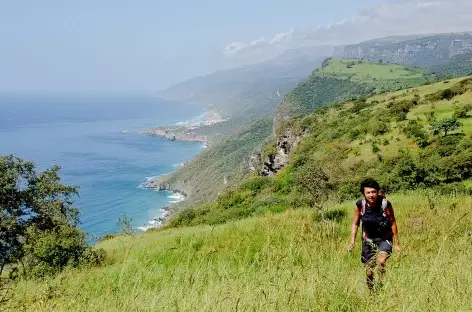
{"x":284,"y":146}
{"x":424,"y":51}
{"x":179,"y":134}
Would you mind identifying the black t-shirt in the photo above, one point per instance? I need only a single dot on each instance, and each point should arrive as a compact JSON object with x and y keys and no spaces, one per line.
{"x":375,"y":223}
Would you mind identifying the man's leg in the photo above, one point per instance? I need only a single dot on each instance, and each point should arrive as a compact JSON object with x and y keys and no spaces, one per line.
{"x":381,"y":262}
{"x":368,"y":259}
{"x":385,"y":249}
{"x":369,"y":276}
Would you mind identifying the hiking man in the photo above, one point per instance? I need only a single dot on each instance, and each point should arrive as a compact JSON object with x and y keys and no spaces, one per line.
{"x":379,"y":229}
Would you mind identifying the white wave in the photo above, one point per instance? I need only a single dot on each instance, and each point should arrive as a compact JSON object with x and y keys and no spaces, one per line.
{"x":155,"y":222}
{"x":144,"y":228}
{"x":176,"y":198}
{"x":194,"y":121}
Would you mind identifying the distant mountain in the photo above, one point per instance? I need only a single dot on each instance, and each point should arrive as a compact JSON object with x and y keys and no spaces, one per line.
{"x":253,"y":89}
{"x":421,"y":50}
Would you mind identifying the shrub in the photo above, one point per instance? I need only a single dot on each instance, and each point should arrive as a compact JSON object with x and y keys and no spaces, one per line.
{"x":354,"y":134}
{"x":49,"y":252}
{"x":415,"y":131}
{"x":462,"y":112}
{"x":375,"y":148}
{"x":379,"y":128}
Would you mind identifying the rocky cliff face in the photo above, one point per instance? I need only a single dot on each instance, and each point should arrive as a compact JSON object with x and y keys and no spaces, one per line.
{"x":424,"y":51}
{"x":284,"y":146}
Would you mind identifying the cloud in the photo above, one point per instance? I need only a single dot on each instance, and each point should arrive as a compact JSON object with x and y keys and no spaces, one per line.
{"x":282,"y":36}
{"x":401,"y":17}
{"x":257,"y":41}
{"x":234,"y":47}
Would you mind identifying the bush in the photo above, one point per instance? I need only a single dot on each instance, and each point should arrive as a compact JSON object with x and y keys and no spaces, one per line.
{"x":462,"y":112}
{"x":354,"y":134}
{"x":415,"y":131}
{"x":375,"y":148}
{"x":49,"y":252}
{"x":379,"y":128}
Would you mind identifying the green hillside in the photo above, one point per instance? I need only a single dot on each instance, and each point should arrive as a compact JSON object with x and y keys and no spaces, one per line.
{"x":459,"y":65}
{"x":290,"y":251}
{"x":341,"y":79}
{"x":398,"y":137}
{"x":204,"y":176}
{"x":285,"y":262}
{"x":228,"y":159}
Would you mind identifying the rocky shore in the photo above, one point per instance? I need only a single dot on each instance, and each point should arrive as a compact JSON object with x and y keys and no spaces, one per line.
{"x":184,"y":131}
{"x":179,"y":134}
{"x":166,"y":210}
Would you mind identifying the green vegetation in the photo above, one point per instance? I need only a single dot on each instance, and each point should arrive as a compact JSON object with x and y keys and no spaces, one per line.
{"x":38,"y":225}
{"x":204,"y":176}
{"x":459,"y":65}
{"x":289,"y":253}
{"x":285,"y":262}
{"x":390,"y":136}
{"x":336,"y":81}
{"x":341,"y":79}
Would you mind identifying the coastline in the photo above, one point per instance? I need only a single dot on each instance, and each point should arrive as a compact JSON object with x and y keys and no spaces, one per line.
{"x":166,"y":211}
{"x":183,"y":131}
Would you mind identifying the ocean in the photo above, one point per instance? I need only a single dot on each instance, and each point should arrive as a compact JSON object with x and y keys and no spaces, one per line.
{"x":83,"y":134}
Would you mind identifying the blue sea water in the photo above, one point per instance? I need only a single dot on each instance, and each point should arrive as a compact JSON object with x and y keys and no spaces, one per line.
{"x":83,"y":135}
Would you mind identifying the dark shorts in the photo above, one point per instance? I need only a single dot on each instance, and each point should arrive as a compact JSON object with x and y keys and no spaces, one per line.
{"x":371,"y":247}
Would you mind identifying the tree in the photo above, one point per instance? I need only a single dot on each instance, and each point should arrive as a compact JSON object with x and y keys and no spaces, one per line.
{"x":315,"y":181}
{"x":446,"y":125}
{"x":38,"y":218}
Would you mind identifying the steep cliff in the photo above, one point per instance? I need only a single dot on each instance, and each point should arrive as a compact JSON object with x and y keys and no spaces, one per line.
{"x":280,"y":155}
{"x":423,"y":51}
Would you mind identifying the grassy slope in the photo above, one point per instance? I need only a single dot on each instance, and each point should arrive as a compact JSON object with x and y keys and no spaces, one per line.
{"x":341,"y":142}
{"x":202,"y":177}
{"x":361,"y":149}
{"x":285,"y":262}
{"x":340,"y":79}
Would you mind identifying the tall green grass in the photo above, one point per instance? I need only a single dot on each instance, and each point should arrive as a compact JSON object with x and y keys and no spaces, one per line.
{"x":285,"y":262}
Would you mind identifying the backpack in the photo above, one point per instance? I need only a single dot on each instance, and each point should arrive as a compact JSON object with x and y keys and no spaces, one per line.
{"x":384,"y":206}
{"x":383,"y":224}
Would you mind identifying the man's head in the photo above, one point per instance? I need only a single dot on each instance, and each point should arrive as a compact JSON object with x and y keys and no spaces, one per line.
{"x":370,"y":189}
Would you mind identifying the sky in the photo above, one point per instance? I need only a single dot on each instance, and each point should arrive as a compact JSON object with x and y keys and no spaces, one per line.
{"x":147,"y":45}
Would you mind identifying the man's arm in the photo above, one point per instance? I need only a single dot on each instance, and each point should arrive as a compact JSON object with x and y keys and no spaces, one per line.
{"x":391,"y":216}
{"x":354,"y":227}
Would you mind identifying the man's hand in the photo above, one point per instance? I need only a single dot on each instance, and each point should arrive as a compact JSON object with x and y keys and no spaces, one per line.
{"x":352,"y":243}
{"x":397,"y":247}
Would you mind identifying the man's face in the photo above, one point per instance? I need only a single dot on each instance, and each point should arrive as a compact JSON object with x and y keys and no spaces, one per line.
{"x":370,"y":194}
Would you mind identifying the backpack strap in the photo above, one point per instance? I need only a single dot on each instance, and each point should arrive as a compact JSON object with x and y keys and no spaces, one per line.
{"x":384,"y":206}
{"x":363,"y":206}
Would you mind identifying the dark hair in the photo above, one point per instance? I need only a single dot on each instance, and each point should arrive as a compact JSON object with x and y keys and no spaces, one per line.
{"x":369,"y":183}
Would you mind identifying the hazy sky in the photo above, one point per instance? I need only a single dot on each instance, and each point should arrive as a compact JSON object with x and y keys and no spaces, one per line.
{"x":146,"y":45}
